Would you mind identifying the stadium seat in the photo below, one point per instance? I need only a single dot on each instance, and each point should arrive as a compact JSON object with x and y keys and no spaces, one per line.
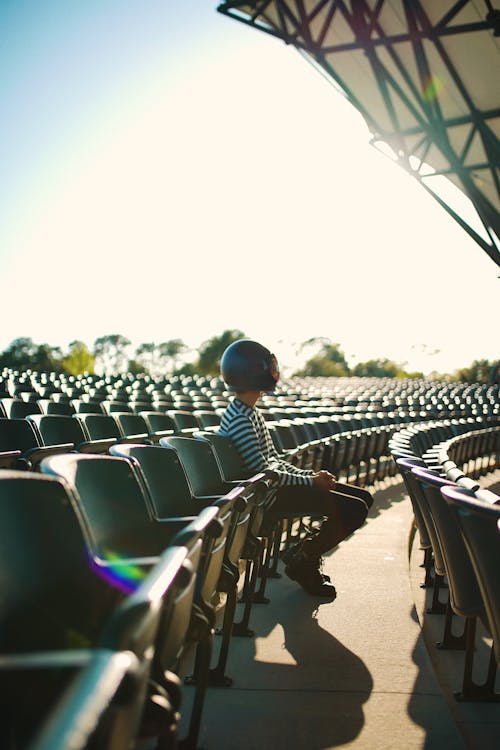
{"x":465,"y":597}
{"x":55,"y":598}
{"x":17,"y":408}
{"x":172,"y":494}
{"x":55,"y":429}
{"x":20,"y":435}
{"x":479,"y":521}
{"x":117,"y":509}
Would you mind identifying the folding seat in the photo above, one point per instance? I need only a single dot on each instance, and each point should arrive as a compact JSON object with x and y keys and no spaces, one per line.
{"x":16,"y":408}
{"x":97,"y":700}
{"x":465,"y":598}
{"x":140,"y":405}
{"x":56,"y":429}
{"x":48,"y":406}
{"x":478,"y":517}
{"x":206,"y":418}
{"x":101,"y":427}
{"x":82,"y":406}
{"x":158,"y":422}
{"x":20,"y":435}
{"x":65,"y":615}
{"x":117,"y":510}
{"x":286,"y":444}
{"x":185,"y":421}
{"x":133,"y":426}
{"x":262,"y":526}
{"x":110,"y":406}
{"x":173,"y":494}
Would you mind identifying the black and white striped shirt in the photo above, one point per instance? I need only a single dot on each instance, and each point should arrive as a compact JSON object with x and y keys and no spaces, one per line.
{"x":248,"y":430}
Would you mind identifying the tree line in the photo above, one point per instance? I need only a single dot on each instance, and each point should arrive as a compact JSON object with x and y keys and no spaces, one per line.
{"x":114,"y":354}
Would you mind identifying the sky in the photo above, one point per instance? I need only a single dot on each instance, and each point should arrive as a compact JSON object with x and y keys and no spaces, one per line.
{"x":168,"y":172}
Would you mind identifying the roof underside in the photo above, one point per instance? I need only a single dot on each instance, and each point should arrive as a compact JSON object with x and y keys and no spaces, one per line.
{"x":425,"y":75}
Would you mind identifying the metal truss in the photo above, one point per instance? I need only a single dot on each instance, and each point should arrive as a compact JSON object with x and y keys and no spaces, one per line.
{"x":425,"y":75}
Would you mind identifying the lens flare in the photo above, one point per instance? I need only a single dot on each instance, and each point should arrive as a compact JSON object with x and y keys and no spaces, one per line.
{"x":433,"y":87}
{"x":117,"y":572}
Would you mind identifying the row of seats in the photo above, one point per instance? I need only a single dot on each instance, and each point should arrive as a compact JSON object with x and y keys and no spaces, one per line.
{"x":110,"y":565}
{"x":151,"y":529}
{"x":458,"y":523}
{"x":438,"y":399}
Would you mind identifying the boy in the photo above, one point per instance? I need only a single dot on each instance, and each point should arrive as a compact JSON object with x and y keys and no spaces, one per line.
{"x":249,"y":369}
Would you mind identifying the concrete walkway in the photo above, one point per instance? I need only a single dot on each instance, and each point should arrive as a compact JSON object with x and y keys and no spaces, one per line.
{"x":361,"y":672}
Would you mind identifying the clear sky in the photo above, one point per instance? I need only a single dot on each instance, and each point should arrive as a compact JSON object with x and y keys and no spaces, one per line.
{"x":168,"y":173}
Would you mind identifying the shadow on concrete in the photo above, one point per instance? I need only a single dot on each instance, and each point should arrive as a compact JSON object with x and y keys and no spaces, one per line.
{"x":295,"y":686}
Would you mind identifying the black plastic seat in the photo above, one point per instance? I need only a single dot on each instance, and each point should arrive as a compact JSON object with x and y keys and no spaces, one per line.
{"x":479,"y":521}
{"x":465,"y":597}
{"x":118,"y":512}
{"x":99,"y":696}
{"x":55,"y":429}
{"x":17,"y":408}
{"x":185,"y":421}
{"x":172,"y":494}
{"x":56,"y":407}
{"x":20,"y":435}
{"x":71,"y":608}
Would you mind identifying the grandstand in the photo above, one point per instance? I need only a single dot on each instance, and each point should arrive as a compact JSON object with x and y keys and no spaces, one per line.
{"x":144,"y":605}
{"x":161,"y":532}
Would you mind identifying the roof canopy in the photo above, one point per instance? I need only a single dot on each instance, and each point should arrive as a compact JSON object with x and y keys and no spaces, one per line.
{"x":425,"y":75}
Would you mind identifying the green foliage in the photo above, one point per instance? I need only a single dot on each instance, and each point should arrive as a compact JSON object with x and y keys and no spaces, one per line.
{"x":78,"y":360}
{"x":212,"y":350}
{"x":330,"y":361}
{"x":159,"y":359}
{"x":111,"y":352}
{"x":379,"y":368}
{"x":136,"y":368}
{"x":479,"y":371}
{"x":23,"y":354}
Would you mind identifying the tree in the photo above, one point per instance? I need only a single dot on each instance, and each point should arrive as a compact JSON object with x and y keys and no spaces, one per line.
{"x":478,"y":372}
{"x":23,"y":354}
{"x":169,"y":353}
{"x":212,"y":350}
{"x":159,"y":359}
{"x":78,"y":360}
{"x":378,"y":368}
{"x":20,"y":354}
{"x":111,"y":352}
{"x":329,"y":361}
{"x":47,"y":358}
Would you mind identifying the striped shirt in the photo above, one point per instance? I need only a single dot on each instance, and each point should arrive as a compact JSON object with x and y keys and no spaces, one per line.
{"x":248,"y":430}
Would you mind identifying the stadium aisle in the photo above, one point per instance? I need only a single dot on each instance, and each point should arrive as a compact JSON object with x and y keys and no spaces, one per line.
{"x":354,"y":673}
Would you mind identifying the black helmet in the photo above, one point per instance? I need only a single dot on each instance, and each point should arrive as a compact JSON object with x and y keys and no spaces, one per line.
{"x":249,"y":366}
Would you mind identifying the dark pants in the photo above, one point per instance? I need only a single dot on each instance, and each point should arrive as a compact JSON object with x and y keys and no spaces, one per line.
{"x":345,"y":509}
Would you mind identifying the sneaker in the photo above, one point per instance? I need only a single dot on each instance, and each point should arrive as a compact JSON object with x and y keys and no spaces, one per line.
{"x":294,"y":552}
{"x":306,"y":573}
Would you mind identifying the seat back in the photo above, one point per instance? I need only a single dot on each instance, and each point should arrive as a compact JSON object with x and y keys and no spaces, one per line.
{"x":54,"y":597}
{"x":94,"y":702}
{"x":131,"y":424}
{"x":199,"y":462}
{"x":230,"y":464}
{"x":478,"y":522}
{"x":165,"y":478}
{"x":115,"y":505}
{"x":47,"y":580}
{"x":184,"y":420}
{"x":55,"y":429}
{"x":100,"y":426}
{"x":18,"y":434}
{"x":17,"y":408}
{"x":465,"y":596}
